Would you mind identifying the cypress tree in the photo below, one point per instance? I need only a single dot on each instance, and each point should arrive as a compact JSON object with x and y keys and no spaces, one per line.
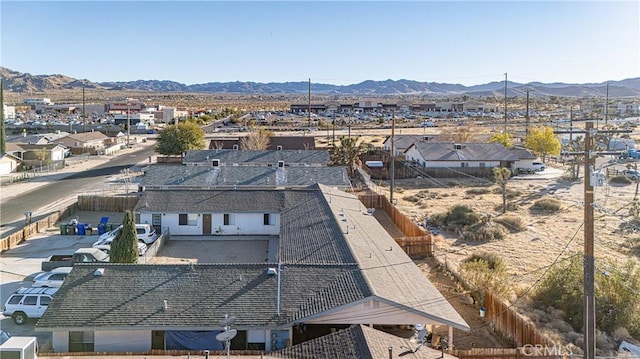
{"x":124,"y":248}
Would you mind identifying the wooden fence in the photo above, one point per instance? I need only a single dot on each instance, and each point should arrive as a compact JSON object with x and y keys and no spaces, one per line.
{"x":418,"y":242}
{"x":510,"y":353}
{"x":107,"y":203}
{"x":508,"y":321}
{"x":28,"y":230}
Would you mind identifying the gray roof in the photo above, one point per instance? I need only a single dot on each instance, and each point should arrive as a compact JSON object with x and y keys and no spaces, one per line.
{"x":522,"y":154}
{"x":402,"y":142}
{"x":357,"y":342}
{"x":309,"y":232}
{"x":446,"y":151}
{"x":198,"y":296}
{"x":333,"y":255}
{"x":205,"y":176}
{"x":230,"y":157}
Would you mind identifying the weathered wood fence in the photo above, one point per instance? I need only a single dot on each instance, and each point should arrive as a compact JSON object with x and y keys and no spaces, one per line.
{"x":501,"y":353}
{"x":418,"y":242}
{"x":107,"y":203}
{"x":29,"y":229}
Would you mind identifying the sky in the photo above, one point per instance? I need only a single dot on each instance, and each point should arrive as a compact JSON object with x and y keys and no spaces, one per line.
{"x":332,"y":42}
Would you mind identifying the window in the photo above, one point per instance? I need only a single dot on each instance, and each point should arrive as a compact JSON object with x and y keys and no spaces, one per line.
{"x":266,"y":219}
{"x":30,"y":300}
{"x":15,"y":299}
{"x":44,"y":300}
{"x":187,"y":219}
{"x":482,"y":165}
{"x":227,"y":219}
{"x":463,"y":165}
{"x":81,"y":341}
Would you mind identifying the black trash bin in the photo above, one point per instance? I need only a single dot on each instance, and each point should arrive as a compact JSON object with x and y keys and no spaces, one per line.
{"x":72,"y":229}
{"x":63,"y":229}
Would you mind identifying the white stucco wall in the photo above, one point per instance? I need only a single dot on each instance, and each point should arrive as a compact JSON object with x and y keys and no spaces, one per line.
{"x":122,"y":341}
{"x":413,"y":154}
{"x":60,"y":341}
{"x":248,"y":224}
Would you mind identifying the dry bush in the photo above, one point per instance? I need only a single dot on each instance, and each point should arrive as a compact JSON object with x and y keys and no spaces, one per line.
{"x":620,"y":180}
{"x":478,"y":191}
{"x":511,"y":223}
{"x":511,"y":206}
{"x":485,"y":232}
{"x":547,"y":205}
{"x":411,"y":198}
{"x":486,"y":271}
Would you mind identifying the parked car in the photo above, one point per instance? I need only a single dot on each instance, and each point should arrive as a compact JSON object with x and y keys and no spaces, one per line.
{"x":106,"y":248}
{"x":82,"y":255}
{"x":27,"y":303}
{"x":538,"y":166}
{"x":53,"y":278}
{"x":146,"y":233}
{"x":633,"y":175}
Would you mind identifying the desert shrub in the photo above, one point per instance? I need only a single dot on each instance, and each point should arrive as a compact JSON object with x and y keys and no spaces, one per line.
{"x":511,"y":206}
{"x":477,"y":191}
{"x":511,"y":223}
{"x":461,"y":215}
{"x":620,"y":180}
{"x":412,"y":199}
{"x":617,"y":288}
{"x":422,"y":194}
{"x":547,"y":205}
{"x":484,"y":232}
{"x":398,"y":190}
{"x":512,"y":193}
{"x":486,"y":271}
{"x":438,"y":219}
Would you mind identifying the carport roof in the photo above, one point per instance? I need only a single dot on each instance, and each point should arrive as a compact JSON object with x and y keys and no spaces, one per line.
{"x":247,"y":157}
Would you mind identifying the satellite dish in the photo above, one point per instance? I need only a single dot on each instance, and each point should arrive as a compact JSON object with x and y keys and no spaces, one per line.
{"x":228,"y":335}
{"x":225,"y":322}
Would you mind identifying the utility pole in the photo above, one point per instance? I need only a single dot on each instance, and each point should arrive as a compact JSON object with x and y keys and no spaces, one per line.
{"x":589,"y":264}
{"x":606,"y":107}
{"x":393,"y":155}
{"x":309,"y":112}
{"x":528,"y":121}
{"x":588,"y":256}
{"x":3,"y":135}
{"x":84,"y":117}
{"x":505,"y":102}
{"x":570,"y":125}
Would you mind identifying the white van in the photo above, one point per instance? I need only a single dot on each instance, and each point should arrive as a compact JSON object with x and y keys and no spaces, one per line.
{"x":20,"y":348}
{"x":27,"y":303}
{"x":146,"y":233}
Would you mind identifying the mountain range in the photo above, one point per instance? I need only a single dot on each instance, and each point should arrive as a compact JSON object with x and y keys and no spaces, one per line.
{"x":27,"y":83}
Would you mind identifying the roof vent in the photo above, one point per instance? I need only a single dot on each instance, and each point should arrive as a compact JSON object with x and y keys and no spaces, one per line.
{"x":457,"y":146}
{"x":280,"y":164}
{"x":165,"y":305}
{"x":215,"y":163}
{"x":272,"y":271}
{"x":98,"y":272}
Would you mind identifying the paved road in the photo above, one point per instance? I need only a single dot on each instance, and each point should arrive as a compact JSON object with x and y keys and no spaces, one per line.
{"x":49,"y":197}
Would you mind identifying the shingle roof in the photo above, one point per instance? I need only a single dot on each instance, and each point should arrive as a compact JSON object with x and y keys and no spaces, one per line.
{"x":198,"y":296}
{"x":88,"y":136}
{"x":444,"y":151}
{"x":402,"y":142}
{"x":257,"y":157}
{"x":205,"y":176}
{"x":357,"y":342}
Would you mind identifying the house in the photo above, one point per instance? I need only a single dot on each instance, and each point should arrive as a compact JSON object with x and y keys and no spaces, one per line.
{"x":276,"y":143}
{"x":165,"y":176}
{"x":256,"y":158}
{"x":39,"y":155}
{"x":403,"y":142}
{"x":8,"y":163}
{"x":460,"y":155}
{"x":329,"y":265}
{"x":358,"y":341}
{"x":84,"y":141}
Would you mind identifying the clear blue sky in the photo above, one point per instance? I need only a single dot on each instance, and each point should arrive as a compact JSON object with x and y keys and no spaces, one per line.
{"x":335,"y":42}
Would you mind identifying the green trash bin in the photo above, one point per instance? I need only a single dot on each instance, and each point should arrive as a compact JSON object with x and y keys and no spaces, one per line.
{"x":63,"y":229}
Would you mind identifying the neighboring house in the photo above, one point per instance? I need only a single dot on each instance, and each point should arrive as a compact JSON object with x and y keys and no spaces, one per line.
{"x":115,"y":135}
{"x":461,"y":155}
{"x":8,"y":164}
{"x":80,"y":142}
{"x":402,"y":142}
{"x":48,"y":153}
{"x":523,"y":158}
{"x":329,"y":265}
{"x":275,"y":143}
{"x":256,"y":158}
{"x":163,"y":176}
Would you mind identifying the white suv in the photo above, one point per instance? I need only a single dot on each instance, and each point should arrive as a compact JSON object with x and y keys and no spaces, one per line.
{"x":146,"y":234}
{"x":27,"y":303}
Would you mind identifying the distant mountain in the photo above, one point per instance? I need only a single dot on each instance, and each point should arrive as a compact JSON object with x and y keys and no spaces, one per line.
{"x":27,"y":83}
